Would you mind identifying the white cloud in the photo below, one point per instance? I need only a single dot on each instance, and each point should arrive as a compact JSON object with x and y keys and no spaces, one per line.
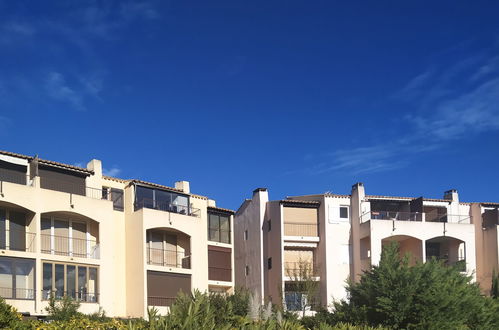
{"x":58,"y":89}
{"x":453,"y":103}
{"x":114,"y":171}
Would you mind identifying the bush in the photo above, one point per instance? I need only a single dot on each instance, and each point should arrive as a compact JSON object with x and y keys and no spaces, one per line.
{"x":424,"y":296}
{"x":64,"y":309}
{"x":9,"y":317}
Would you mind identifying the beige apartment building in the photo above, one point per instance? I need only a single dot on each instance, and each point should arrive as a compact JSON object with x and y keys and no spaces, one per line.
{"x":119,"y":245}
{"x":339,"y":236}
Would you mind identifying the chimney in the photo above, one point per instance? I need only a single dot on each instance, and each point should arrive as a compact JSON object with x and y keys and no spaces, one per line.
{"x":212,"y":203}
{"x":183,"y":185}
{"x":96,"y":166}
{"x":451,"y":195}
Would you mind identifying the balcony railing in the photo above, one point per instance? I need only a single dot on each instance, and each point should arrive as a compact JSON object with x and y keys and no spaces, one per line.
{"x":81,"y":296}
{"x":415,"y":216}
{"x":167,"y":207}
{"x":300,"y":269}
{"x":17,"y":293}
{"x":160,"y":301}
{"x":69,"y":246}
{"x":219,"y":274}
{"x":17,"y":240}
{"x":219,"y":235}
{"x":301,"y":229}
{"x":168,"y":258}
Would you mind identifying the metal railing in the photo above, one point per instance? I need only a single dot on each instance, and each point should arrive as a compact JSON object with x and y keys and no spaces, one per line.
{"x":69,"y":246}
{"x":160,"y":301}
{"x":301,"y":229}
{"x":415,"y":216}
{"x":167,"y":207}
{"x":17,"y":240}
{"x":296,"y":269}
{"x":17,"y":293}
{"x":219,"y":235}
{"x":168,"y":258}
{"x":219,"y":274}
{"x":392,"y":215}
{"x":81,"y":296}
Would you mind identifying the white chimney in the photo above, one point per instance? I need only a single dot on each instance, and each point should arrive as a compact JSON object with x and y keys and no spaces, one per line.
{"x":183,"y":185}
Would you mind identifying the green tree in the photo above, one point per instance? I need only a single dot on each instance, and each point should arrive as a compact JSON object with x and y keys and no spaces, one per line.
{"x":424,"y":296}
{"x":304,"y":283}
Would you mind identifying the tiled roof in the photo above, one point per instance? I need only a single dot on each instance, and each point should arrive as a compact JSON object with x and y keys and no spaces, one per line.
{"x":48,"y":162}
{"x":300,"y":202}
{"x":221,"y":209}
{"x":151,"y":184}
{"x":105,"y":177}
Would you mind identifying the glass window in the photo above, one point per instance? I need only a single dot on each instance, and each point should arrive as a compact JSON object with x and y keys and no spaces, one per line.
{"x":6,"y":280}
{"x":59,"y":281}
{"x":71,"y":281}
{"x":47,"y":280}
{"x":17,"y":231}
{"x":269,"y":263}
{"x":219,"y":227}
{"x":144,"y":197}
{"x":92,"y":284}
{"x":25,"y":280}
{"x":117,"y":197}
{"x":17,"y":278}
{"x":82,"y":283}
{"x":344,"y":212}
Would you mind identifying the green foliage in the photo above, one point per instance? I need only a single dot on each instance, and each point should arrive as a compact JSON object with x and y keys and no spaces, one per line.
{"x":63,"y":309}
{"x":240,"y":301}
{"x":8,"y":315}
{"x":424,"y":296}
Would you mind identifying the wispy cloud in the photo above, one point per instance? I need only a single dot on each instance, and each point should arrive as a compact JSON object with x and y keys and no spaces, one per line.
{"x":454,"y":103}
{"x":58,"y":89}
{"x":113,"y":171}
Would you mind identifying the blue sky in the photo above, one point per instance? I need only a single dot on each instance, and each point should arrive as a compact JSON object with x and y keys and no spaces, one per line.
{"x":298,"y":96}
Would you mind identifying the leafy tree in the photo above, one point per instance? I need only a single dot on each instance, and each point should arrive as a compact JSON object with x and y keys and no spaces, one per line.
{"x":304,"y":283}
{"x":423,"y":296}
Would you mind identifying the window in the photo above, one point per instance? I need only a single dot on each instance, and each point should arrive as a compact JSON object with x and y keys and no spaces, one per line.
{"x":68,"y":237}
{"x":117,"y":198}
{"x":219,"y":227}
{"x":15,"y":237}
{"x":246,"y":235}
{"x":270,"y":224}
{"x":79,"y":282}
{"x":269,"y":263}
{"x":246,"y":270}
{"x":344,"y":212}
{"x":161,"y":200}
{"x":17,"y":278}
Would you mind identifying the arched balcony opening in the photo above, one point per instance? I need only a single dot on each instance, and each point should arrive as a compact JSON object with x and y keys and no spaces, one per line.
{"x":69,"y":234}
{"x":407,"y":245}
{"x":451,"y":251}
{"x":168,"y":247}
{"x":17,"y":228}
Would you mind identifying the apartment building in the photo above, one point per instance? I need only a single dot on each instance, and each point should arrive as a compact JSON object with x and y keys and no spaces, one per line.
{"x":120,"y":245}
{"x":339,"y":236}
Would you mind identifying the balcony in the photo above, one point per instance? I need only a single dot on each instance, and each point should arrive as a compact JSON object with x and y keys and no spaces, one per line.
{"x":17,"y":240}
{"x":297,"y":269}
{"x":70,"y":246}
{"x":160,"y":301}
{"x":302,"y":229}
{"x":414,"y":216}
{"x":17,"y":293}
{"x":81,"y":296}
{"x":168,"y":258}
{"x":167,"y":207}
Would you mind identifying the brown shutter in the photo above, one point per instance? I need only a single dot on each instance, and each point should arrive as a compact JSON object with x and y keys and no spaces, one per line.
{"x":60,"y":180}
{"x":162,"y":288}
{"x":219,"y":264}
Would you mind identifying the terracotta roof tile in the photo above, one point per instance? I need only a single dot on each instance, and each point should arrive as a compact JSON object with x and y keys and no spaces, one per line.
{"x":48,"y":162}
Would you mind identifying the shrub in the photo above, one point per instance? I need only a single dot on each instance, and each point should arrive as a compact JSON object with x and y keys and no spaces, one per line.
{"x":64,"y":309}
{"x":8,"y":315}
{"x":424,"y":296}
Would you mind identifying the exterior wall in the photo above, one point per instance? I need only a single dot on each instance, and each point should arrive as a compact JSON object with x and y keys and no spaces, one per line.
{"x":273,"y":248}
{"x":121,"y":235}
{"x":249,"y":252}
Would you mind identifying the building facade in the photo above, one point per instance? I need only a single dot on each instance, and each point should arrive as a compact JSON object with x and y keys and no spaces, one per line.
{"x":119,"y":245}
{"x":340,"y":236}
